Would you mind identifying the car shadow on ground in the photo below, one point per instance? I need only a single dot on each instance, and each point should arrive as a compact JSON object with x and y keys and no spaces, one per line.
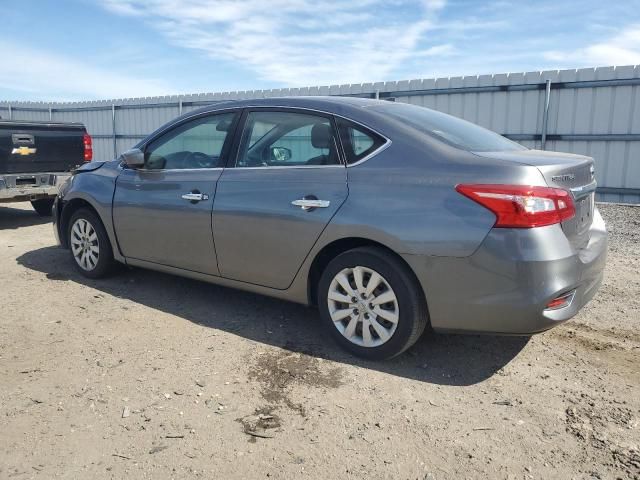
{"x":11,"y":218}
{"x":438,"y":359}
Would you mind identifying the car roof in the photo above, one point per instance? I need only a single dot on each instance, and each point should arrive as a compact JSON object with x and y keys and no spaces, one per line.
{"x":354,"y":108}
{"x":330,"y":104}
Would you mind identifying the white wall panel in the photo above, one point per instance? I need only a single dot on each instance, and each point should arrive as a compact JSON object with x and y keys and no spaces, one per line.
{"x":594,"y":110}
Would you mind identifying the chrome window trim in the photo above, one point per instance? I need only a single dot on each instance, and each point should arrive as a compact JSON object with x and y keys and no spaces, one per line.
{"x":229,"y":109}
{"x":180,"y":120}
{"x":282,"y":167}
{"x":378,"y":150}
{"x":147,"y":141}
{"x":169,"y":170}
{"x":387,"y":141}
{"x":164,"y":170}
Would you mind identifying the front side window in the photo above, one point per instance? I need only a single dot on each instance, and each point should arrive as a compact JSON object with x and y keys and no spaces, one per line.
{"x":195,"y":144}
{"x":358,"y":142}
{"x":447,"y":128}
{"x":281,"y":139}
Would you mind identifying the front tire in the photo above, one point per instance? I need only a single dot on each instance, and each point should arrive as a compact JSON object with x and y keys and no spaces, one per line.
{"x":43,"y":206}
{"x":89,"y":244}
{"x":371,"y":303}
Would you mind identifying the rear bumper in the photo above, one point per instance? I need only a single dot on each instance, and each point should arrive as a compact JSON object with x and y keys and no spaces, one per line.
{"x":505,"y":285}
{"x":30,"y":186}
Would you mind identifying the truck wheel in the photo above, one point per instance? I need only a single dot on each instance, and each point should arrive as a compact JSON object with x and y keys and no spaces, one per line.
{"x":89,"y":244}
{"x":43,"y":207}
{"x":371,"y":303}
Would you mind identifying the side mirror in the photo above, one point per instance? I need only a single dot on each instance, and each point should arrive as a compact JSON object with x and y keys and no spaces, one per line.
{"x":280,"y":154}
{"x":134,"y":158}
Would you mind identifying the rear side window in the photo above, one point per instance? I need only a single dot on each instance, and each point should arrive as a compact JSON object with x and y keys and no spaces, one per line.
{"x":358,"y":142}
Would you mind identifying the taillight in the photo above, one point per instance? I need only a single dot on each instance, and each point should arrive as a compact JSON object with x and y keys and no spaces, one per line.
{"x":88,"y":147}
{"x":521,"y":206}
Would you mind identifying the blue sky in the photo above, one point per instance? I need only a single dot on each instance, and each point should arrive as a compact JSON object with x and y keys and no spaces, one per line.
{"x":80,"y":49}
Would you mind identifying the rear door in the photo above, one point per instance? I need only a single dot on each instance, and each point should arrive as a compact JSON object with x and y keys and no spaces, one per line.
{"x":162,"y":212}
{"x":40,"y":147}
{"x":286,"y":184}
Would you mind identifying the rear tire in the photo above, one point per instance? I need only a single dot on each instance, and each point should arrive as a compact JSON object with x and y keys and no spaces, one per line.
{"x":372,"y":303}
{"x":43,"y":206}
{"x":89,"y":244}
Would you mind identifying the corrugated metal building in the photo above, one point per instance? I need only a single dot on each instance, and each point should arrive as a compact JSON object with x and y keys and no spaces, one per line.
{"x":592,"y":111}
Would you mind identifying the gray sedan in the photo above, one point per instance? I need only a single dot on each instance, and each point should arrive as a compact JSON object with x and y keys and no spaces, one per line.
{"x":390,"y":218}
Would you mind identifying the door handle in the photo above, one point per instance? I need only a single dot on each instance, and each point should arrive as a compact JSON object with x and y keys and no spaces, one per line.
{"x":195,"y":197}
{"x":309,"y":203}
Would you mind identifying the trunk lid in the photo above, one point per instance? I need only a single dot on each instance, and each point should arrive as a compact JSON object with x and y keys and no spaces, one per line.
{"x":34,"y":147}
{"x":567,"y":171}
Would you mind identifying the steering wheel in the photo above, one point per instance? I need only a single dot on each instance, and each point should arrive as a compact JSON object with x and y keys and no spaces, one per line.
{"x":201,"y":160}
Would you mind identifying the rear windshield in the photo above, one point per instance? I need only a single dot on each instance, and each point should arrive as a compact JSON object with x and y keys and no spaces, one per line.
{"x":452,"y":130}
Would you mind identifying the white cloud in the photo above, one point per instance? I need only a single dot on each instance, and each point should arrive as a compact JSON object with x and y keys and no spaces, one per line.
{"x":621,"y":49}
{"x":439,"y":50}
{"x":37,"y":73}
{"x":296,"y":42}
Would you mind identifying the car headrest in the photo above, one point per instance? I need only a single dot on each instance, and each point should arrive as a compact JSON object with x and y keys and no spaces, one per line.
{"x":321,"y":135}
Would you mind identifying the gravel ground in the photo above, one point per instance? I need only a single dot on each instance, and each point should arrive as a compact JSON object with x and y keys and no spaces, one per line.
{"x":146,"y":375}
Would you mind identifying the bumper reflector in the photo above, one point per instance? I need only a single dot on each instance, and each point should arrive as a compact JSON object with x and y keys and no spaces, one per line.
{"x":562,"y":301}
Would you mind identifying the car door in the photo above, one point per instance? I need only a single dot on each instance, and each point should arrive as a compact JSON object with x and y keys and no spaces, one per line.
{"x":162,"y":212}
{"x":287,"y":181}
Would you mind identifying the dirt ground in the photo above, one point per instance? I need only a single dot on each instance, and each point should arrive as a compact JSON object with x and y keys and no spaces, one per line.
{"x":146,"y":375}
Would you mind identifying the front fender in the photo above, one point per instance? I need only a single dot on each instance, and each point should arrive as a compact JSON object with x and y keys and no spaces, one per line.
{"x":95,"y":188}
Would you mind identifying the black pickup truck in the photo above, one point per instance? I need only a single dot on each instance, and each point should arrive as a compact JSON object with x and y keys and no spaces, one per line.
{"x":36,"y":157}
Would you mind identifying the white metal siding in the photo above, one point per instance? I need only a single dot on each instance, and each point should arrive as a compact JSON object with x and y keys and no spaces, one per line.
{"x":599,"y":110}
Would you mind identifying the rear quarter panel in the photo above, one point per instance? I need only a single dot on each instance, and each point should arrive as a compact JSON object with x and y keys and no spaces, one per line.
{"x":405,"y":198}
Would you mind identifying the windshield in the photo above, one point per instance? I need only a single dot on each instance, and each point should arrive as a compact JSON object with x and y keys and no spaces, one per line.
{"x":452,"y":130}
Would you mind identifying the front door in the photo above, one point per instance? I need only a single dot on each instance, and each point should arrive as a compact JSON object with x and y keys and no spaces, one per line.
{"x":286,"y":184}
{"x":162,"y":212}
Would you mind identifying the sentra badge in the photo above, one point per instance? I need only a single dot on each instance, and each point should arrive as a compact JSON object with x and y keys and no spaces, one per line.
{"x":563,"y":178}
